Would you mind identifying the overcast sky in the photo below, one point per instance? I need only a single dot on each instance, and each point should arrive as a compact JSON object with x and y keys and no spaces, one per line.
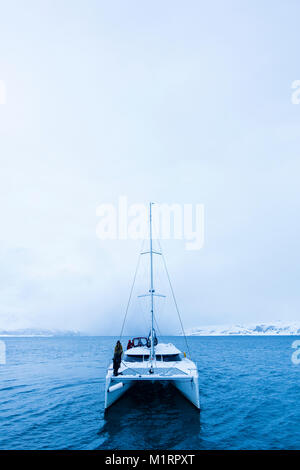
{"x":169,"y":101}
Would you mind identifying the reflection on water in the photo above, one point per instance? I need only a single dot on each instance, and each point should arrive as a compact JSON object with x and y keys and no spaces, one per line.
{"x":151,"y":416}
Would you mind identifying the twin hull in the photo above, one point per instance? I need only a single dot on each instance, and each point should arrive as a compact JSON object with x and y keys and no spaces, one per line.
{"x":117,"y":386}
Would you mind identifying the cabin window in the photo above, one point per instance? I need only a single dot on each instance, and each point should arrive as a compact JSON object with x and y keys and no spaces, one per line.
{"x":132,"y":358}
{"x":137,"y":342}
{"x":171,"y":357}
{"x":158,"y":357}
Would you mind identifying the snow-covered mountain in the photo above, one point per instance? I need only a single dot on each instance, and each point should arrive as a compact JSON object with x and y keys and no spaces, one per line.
{"x":253,"y":329}
{"x":29,"y":332}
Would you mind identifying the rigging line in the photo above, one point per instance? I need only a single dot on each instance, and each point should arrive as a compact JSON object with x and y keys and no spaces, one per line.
{"x":174,"y":298}
{"x":156,"y":321}
{"x":158,"y":329}
{"x":142,"y":308}
{"x":155,"y":233}
{"x":131,"y":290}
{"x":171,"y":286}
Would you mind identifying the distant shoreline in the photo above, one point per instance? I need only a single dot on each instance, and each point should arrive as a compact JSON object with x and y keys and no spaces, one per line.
{"x":278,"y":328}
{"x":44,"y":336}
{"x":275,"y":335}
{"x":263,"y":335}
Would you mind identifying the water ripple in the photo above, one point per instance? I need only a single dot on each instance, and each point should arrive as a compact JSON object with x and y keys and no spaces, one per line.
{"x":52,"y":397}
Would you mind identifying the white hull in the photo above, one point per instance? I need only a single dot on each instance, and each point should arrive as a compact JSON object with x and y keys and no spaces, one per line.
{"x":189,"y":389}
{"x":112,"y":396}
{"x":183,"y":375}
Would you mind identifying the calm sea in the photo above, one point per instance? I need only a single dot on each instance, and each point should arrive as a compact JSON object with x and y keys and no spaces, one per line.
{"x":52,"y":397}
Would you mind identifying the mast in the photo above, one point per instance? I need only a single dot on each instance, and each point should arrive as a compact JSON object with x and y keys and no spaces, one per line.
{"x":151,"y":289}
{"x":151,"y":292}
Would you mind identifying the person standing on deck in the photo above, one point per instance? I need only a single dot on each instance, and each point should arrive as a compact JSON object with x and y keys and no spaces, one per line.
{"x":117,"y":357}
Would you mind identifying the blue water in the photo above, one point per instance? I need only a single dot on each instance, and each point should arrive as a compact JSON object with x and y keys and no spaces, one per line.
{"x":52,"y":397}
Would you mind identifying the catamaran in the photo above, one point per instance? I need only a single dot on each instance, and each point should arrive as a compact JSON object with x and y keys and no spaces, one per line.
{"x":148,"y":360}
